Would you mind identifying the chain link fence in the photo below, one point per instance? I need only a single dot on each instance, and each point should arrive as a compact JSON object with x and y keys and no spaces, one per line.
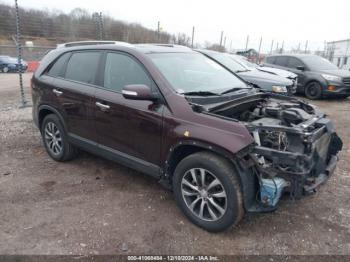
{"x":28,"y":34}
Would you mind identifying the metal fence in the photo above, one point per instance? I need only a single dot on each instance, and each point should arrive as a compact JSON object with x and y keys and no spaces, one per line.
{"x":34,"y":53}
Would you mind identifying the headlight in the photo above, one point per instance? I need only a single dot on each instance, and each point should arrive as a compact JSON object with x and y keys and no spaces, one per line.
{"x":279,"y":89}
{"x":331,"y":78}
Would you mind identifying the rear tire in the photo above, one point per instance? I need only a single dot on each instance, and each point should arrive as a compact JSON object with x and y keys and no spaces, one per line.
{"x":313,"y":91}
{"x":55,"y":139}
{"x":5,"y":69}
{"x":214,"y":205}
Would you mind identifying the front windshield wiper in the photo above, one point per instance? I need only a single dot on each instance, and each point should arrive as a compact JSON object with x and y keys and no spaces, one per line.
{"x":242,"y":71}
{"x":200,"y":93}
{"x":232,"y":90}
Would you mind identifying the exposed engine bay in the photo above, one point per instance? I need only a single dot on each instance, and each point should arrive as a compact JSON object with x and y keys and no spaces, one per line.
{"x":293,"y":140}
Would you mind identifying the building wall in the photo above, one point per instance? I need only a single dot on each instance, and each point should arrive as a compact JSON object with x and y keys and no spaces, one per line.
{"x":338,"y":53}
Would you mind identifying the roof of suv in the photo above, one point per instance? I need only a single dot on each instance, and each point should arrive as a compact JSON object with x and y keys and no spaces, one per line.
{"x":143,"y":48}
{"x":292,"y":55}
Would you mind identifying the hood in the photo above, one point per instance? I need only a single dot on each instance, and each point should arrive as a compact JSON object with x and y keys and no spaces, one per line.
{"x":336,"y":72}
{"x":264,"y":80}
{"x":276,"y":71}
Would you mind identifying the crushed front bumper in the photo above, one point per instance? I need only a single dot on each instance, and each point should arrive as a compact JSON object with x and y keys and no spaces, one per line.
{"x":308,"y":162}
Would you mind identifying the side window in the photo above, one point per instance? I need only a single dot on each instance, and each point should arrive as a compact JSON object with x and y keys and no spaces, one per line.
{"x":294,"y":62}
{"x":270,"y":59}
{"x":57,"y":69}
{"x":82,"y":67}
{"x":281,"y":60}
{"x":122,"y":70}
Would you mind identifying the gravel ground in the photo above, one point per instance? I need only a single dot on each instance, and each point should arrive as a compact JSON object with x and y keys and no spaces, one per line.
{"x":93,"y":206}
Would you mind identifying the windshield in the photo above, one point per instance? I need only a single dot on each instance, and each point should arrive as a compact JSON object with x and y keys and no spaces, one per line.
{"x":194,"y":72}
{"x":316,"y":63}
{"x":229,"y":62}
{"x":245,"y":62}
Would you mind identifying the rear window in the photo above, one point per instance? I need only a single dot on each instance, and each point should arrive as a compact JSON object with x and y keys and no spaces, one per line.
{"x":82,"y":67}
{"x":57,"y":69}
{"x":281,"y":60}
{"x":270,"y":59}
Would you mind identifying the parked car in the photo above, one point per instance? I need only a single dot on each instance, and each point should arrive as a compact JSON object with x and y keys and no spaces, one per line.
{"x":172,"y":113}
{"x":10,"y":64}
{"x":317,"y":77}
{"x":276,"y":71}
{"x":265,"y":81}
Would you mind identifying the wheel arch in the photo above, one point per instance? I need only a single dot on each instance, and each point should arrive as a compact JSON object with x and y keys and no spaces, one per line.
{"x":247,"y":179}
{"x":316,"y":80}
{"x":45,"y":110}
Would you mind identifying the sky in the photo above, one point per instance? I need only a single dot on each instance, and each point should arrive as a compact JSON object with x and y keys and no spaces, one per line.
{"x":291,"y":21}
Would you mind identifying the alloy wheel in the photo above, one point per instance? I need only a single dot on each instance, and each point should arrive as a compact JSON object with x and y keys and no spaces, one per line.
{"x":53,"y":138}
{"x":204,"y":194}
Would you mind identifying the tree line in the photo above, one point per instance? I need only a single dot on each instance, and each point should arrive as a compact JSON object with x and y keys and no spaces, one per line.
{"x":79,"y":24}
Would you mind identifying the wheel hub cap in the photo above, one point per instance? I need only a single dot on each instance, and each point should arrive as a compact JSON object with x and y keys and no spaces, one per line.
{"x":204,"y":194}
{"x":53,"y":138}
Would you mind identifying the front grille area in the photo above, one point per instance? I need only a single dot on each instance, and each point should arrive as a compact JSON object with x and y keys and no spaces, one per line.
{"x":346,"y":81}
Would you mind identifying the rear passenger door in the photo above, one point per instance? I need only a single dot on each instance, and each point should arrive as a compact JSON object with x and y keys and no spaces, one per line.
{"x":74,"y":93}
{"x":128,"y":129}
{"x":281,"y":62}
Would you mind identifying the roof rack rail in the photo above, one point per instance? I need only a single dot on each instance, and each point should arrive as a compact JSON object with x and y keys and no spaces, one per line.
{"x":82,"y":43}
{"x":164,"y":45}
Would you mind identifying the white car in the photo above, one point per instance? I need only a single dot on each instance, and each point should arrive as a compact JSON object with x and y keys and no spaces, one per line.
{"x":280,"y":72}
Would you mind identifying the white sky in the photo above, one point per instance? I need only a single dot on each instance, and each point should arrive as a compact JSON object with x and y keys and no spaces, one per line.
{"x":291,"y":21}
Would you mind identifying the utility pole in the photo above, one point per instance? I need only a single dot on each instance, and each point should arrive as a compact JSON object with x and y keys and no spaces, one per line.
{"x":259,"y":50}
{"x":277,"y":47}
{"x":222,"y":35}
{"x":282,"y":47}
{"x":246,"y":43}
{"x":192,"y":37}
{"x":306,"y":44}
{"x":23,"y":102}
{"x":97,"y":17}
{"x":347,"y":50}
{"x":100,"y":25}
{"x":158,"y":31}
{"x":271,"y":47}
{"x":230,"y":46}
{"x":299,"y":47}
{"x":225,"y":42}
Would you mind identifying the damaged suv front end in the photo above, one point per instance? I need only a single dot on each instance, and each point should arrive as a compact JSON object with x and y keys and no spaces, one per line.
{"x":295,"y":148}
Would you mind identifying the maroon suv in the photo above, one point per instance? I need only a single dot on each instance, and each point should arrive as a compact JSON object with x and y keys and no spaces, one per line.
{"x":223,"y":147}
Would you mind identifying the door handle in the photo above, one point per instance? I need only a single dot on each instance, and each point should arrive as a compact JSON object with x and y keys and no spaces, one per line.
{"x":57,"y":92}
{"x":103,"y":107}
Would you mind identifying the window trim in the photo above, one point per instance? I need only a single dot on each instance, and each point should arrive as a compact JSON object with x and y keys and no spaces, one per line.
{"x":273,"y":60}
{"x":63,"y":69}
{"x":293,"y":57}
{"x":282,"y":57}
{"x":103,"y":67}
{"x":97,"y":71}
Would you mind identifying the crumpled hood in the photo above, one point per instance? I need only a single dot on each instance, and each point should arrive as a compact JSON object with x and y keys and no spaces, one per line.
{"x":264,"y":80}
{"x":276,"y":71}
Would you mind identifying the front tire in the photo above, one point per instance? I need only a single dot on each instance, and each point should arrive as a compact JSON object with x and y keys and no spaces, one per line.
{"x":5,"y":69}
{"x":55,"y":139}
{"x":313,"y":91}
{"x":207,"y":190}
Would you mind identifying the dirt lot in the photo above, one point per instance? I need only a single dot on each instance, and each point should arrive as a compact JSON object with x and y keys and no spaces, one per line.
{"x":93,"y":206}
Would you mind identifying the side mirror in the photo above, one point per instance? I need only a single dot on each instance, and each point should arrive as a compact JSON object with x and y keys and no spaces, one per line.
{"x":301,"y":68}
{"x":138,"y":92}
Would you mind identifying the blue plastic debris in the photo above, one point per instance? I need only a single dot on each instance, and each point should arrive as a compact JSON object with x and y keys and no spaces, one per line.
{"x":271,"y":190}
